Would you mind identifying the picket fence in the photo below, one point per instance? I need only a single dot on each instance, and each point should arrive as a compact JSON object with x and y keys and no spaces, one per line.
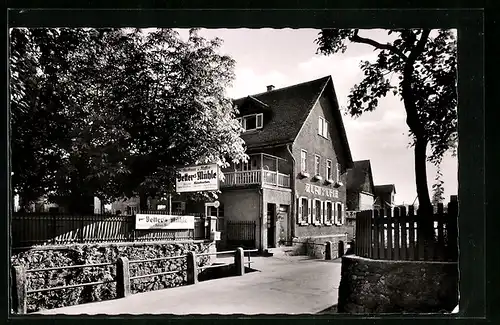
{"x":396,"y":234}
{"x":29,"y":229}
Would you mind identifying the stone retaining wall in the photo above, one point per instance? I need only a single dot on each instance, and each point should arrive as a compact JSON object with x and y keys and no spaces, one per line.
{"x":79,"y":254}
{"x":377,"y":286}
{"x":315,"y":246}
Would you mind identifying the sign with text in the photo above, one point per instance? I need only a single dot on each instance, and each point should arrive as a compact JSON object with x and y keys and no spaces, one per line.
{"x":197,"y":178}
{"x":161,"y":221}
{"x":323,"y":191}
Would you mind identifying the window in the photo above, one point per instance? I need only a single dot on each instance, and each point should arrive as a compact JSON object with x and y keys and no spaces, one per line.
{"x":303,"y":161}
{"x":304,"y":210}
{"x":252,"y":122}
{"x":322,"y":127}
{"x":328,"y":169}
{"x":338,"y":173}
{"x":317,"y":161}
{"x":317,"y":212}
{"x":340,"y":214}
{"x":328,"y":213}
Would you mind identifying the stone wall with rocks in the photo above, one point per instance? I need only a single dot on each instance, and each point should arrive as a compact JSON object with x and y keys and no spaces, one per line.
{"x":46,"y":257}
{"x":378,"y":286}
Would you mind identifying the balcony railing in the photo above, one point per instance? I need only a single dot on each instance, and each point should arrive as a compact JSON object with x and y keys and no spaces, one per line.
{"x":260,"y":176}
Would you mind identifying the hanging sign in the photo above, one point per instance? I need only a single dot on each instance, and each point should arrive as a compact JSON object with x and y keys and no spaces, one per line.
{"x":161,"y":221}
{"x":197,"y":178}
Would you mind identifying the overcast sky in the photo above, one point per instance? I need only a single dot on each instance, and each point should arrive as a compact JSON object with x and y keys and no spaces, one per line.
{"x":283,"y":57}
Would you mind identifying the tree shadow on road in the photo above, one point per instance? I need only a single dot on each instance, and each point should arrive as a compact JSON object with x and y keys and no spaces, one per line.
{"x":221,"y":272}
{"x":330,"y":310}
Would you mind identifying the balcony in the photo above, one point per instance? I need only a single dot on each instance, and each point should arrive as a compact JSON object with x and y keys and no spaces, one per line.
{"x":260,"y":169}
{"x":249,"y":177}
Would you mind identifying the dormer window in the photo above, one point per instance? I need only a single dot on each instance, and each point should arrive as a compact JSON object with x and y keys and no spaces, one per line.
{"x":252,"y":122}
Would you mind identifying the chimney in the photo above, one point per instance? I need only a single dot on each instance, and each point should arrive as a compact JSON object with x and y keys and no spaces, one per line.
{"x":270,"y":87}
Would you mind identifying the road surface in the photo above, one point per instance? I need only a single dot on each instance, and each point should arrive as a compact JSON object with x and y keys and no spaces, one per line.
{"x":283,"y":285}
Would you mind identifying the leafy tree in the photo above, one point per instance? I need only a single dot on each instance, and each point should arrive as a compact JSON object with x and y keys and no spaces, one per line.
{"x":425,"y":62}
{"x":123,"y":110}
{"x":437,"y":188}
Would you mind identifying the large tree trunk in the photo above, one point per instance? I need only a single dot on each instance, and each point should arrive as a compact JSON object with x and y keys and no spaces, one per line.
{"x":425,"y":210}
{"x":424,"y":199}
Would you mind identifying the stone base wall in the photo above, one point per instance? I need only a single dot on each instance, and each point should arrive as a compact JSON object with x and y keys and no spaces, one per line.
{"x":315,"y":246}
{"x":57,"y":256}
{"x":377,"y":286}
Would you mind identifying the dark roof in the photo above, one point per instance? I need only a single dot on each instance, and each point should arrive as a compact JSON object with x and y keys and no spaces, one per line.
{"x":382,"y":189}
{"x":356,"y":177}
{"x":290,"y":107}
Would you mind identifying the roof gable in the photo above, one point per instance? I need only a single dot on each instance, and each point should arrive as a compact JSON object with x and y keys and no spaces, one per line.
{"x":357,"y":177}
{"x":289,"y":109}
{"x":385,"y":189}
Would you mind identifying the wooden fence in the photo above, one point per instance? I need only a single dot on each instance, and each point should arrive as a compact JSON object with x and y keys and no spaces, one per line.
{"x":397,"y":234}
{"x":28,"y":229}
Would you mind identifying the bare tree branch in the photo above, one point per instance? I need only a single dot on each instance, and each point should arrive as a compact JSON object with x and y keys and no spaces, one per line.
{"x":358,"y":39}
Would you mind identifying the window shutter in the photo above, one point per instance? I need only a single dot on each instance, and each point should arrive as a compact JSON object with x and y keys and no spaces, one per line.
{"x":323,"y":218}
{"x":320,"y":126}
{"x":299,"y":210}
{"x":309,"y":211}
{"x":314,"y":211}
{"x":325,"y":129}
{"x":335,"y":211}
{"x":342,"y":220}
{"x":259,"y":121}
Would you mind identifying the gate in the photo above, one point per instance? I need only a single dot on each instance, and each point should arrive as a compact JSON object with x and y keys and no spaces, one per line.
{"x":240,"y":233}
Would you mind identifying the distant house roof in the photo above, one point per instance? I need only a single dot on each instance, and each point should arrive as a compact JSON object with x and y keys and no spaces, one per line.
{"x":356,"y":177}
{"x":290,"y":107}
{"x":384,"y":189}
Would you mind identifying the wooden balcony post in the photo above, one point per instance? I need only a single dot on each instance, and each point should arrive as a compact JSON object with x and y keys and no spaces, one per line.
{"x":276,"y":182}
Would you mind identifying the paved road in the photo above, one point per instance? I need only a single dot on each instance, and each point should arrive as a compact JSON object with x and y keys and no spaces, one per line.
{"x":283,"y":285}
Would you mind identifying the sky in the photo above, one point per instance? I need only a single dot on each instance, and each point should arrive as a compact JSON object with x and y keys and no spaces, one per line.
{"x":284,"y":57}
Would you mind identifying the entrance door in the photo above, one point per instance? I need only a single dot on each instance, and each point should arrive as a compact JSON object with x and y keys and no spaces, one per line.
{"x":283,"y":224}
{"x":271,"y":225}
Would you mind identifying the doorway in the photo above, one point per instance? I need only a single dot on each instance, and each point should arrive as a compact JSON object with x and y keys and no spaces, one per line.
{"x":283,"y":233}
{"x":271,"y":225}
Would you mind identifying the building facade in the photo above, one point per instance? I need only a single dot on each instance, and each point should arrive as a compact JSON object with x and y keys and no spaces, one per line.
{"x":293,"y":186}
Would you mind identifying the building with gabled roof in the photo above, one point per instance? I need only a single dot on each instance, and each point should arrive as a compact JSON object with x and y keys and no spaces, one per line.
{"x":293,"y":186}
{"x":360,"y":187}
{"x":384,"y":196}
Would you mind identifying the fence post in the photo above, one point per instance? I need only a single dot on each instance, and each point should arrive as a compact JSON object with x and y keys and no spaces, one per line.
{"x":122,"y":277}
{"x":328,"y":250}
{"x":239,"y":261}
{"x":19,"y":289}
{"x":192,"y":269}
{"x":341,"y":248}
